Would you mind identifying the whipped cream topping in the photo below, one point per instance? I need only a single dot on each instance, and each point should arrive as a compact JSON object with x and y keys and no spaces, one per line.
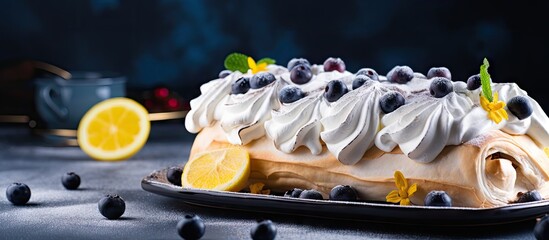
{"x":353,"y":124}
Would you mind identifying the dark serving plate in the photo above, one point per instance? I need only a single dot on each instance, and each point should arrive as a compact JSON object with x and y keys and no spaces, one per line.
{"x":156,"y":182}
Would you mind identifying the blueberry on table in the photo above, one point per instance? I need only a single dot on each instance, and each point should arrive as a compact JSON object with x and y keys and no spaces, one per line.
{"x":191,"y":227}
{"x":440,"y":87}
{"x":439,"y":72}
{"x":334,"y":64}
{"x":400,"y":74}
{"x":541,"y":230}
{"x":301,"y":74}
{"x":297,"y":61}
{"x":70,"y":180}
{"x":290,"y":94}
{"x":224,"y":73}
{"x":293,"y":193}
{"x":240,"y":86}
{"x":359,"y":81}
{"x":18,"y":193}
{"x":529,"y":196}
{"x":343,"y":193}
{"x":473,"y":82}
{"x":520,"y":106}
{"x":334,"y":90}
{"x":261,"y":79}
{"x":174,"y":175}
{"x":311,"y":194}
{"x":263,"y":230}
{"x":390,"y":101}
{"x":368,"y":72}
{"x":112,"y":206}
{"x":438,"y":198}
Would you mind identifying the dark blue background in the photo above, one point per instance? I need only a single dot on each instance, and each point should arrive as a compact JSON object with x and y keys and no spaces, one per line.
{"x":182,"y":44}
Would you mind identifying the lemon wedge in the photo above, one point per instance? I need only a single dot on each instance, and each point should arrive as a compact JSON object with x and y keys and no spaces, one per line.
{"x":113,"y":129}
{"x":224,"y":169}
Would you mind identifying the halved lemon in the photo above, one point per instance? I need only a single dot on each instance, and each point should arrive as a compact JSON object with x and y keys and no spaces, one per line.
{"x":114,"y":129}
{"x":225,"y":169}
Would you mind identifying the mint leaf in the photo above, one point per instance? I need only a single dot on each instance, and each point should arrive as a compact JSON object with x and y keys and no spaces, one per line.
{"x":485,"y":80}
{"x":237,"y":62}
{"x":266,"y":60}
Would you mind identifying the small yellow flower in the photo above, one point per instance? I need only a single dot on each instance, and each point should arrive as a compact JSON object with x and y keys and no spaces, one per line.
{"x":403,"y":194}
{"x":546,"y":150}
{"x":495,"y":109}
{"x":257,"y":188}
{"x":256,"y":67}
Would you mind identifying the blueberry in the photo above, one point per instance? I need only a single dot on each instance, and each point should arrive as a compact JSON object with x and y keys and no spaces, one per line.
{"x":440,"y":87}
{"x":301,"y":74}
{"x":297,"y":61}
{"x":439,"y":72}
{"x":311,"y":194}
{"x":293,"y":193}
{"x":343,"y":193}
{"x":241,"y":85}
{"x":112,"y":206}
{"x":400,"y":74}
{"x":368,"y":72}
{"x":360,"y":80}
{"x":263,"y":230}
{"x":191,"y":227}
{"x":334,"y":64}
{"x":541,"y":230}
{"x":473,"y":82}
{"x":224,"y":73}
{"x":261,"y":79}
{"x":520,"y":107}
{"x":334,"y":90}
{"x":70,"y":180}
{"x":18,"y":193}
{"x":290,"y":94}
{"x":174,"y":175}
{"x":529,"y":196}
{"x":438,"y":198}
{"x":391,"y":101}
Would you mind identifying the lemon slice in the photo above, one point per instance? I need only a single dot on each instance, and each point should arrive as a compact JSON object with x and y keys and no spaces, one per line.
{"x":224,"y":169}
{"x":114,"y":129}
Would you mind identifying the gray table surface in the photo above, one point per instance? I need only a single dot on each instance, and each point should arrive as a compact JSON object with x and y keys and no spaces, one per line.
{"x":56,"y":213}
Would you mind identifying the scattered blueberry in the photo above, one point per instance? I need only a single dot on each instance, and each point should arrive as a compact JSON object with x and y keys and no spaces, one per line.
{"x":343,"y":193}
{"x":400,"y":74}
{"x":439,"y":72}
{"x":541,"y":230}
{"x":440,"y":87}
{"x":520,"y":107}
{"x":391,"y":101}
{"x":224,"y":73}
{"x":311,"y":194}
{"x":360,"y":80}
{"x":261,"y":79}
{"x":18,"y":193}
{"x":191,"y":227}
{"x":334,"y":64}
{"x":297,"y":61}
{"x":368,"y":72}
{"x":529,"y":196}
{"x":263,"y":230}
{"x":174,"y":175}
{"x":293,"y":193}
{"x":334,"y":90}
{"x":241,"y":85}
{"x":70,"y":180}
{"x":473,"y":82}
{"x":290,"y":94}
{"x":112,"y":206}
{"x":301,"y":74}
{"x":438,"y":198}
